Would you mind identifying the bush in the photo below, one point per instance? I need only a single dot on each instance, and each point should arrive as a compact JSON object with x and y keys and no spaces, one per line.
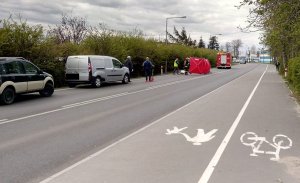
{"x":294,"y":74}
{"x":21,"y":39}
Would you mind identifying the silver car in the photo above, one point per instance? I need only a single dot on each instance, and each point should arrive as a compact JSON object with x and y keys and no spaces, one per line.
{"x":95,"y":70}
{"x":243,"y":61}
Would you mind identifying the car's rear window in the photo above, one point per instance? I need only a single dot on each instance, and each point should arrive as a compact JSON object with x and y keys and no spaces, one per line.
{"x":77,"y":62}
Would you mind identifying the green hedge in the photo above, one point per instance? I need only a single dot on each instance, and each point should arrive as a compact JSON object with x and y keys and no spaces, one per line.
{"x":293,"y":76}
{"x":18,"y":39}
{"x":120,"y":46}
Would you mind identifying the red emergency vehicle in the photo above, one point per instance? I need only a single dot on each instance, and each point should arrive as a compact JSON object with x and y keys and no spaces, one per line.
{"x":224,"y":60}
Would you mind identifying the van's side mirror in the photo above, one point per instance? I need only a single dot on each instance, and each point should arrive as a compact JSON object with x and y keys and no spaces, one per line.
{"x":122,"y":65}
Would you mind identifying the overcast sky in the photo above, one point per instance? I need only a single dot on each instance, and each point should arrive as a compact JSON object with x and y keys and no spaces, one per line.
{"x":204,"y":17}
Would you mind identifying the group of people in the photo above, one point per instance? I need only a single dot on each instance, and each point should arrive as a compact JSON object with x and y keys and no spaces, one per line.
{"x":148,"y":67}
{"x":186,"y":66}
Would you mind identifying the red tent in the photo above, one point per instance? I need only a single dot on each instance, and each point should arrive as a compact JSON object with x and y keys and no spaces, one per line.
{"x":199,"y":65}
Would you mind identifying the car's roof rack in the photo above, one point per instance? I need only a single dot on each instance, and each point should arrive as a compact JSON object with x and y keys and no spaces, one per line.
{"x":11,"y":58}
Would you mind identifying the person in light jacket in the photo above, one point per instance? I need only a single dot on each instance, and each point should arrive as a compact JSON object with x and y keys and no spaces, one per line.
{"x":176,"y":65}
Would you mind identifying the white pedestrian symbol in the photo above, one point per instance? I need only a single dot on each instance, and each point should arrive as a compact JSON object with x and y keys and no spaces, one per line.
{"x":196,"y":140}
{"x":254,"y":141}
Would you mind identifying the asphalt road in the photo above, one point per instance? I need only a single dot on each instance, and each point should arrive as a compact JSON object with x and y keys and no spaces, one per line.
{"x":118,"y":133}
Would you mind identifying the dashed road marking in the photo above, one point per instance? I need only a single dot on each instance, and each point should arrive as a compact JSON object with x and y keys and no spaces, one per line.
{"x":78,"y":104}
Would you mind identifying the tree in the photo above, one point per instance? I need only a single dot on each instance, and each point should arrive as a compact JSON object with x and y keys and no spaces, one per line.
{"x":279,"y":19}
{"x":182,"y":38}
{"x":236,"y":44}
{"x":71,"y":29}
{"x":213,"y":43}
{"x":228,"y":47}
{"x":17,"y":38}
{"x":253,"y":49}
{"x":201,"y":43}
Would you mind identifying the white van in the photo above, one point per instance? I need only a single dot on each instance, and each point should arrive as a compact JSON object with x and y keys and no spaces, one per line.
{"x":95,"y":70}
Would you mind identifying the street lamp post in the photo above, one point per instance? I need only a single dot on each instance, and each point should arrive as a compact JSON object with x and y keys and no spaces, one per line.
{"x":166,"y":66}
{"x":216,"y":35}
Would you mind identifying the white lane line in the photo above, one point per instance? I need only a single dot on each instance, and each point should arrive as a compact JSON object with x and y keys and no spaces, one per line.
{"x":1,"y":120}
{"x":130,"y":93}
{"x":95,"y":100}
{"x":63,"y":89}
{"x":47,"y":180}
{"x":214,"y":161}
{"x":100,"y":99}
{"x":31,"y":116}
{"x":78,"y":104}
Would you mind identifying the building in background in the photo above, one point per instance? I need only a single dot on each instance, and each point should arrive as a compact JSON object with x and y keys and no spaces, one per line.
{"x":254,"y":58}
{"x":265,"y":57}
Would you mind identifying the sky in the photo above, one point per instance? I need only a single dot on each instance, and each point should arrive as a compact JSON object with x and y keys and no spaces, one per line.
{"x":203,"y":17}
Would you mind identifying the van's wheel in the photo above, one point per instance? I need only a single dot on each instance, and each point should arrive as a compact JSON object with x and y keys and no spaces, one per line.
{"x":97,"y":82}
{"x":8,"y":96}
{"x":125,"y":79}
{"x":48,"y":90}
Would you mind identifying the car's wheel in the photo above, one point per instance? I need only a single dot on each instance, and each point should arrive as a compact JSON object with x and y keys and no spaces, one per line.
{"x":8,"y":96}
{"x":125,"y":79}
{"x":97,"y":83}
{"x":48,"y":90}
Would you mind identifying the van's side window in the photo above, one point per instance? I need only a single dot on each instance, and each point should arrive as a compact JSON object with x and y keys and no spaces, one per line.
{"x":29,"y":68}
{"x":108,"y":63}
{"x":14,"y":67}
{"x":117,"y":64}
{"x":98,"y":63}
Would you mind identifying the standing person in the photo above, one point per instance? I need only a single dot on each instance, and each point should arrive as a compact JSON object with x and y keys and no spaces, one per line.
{"x":129,"y":65}
{"x":186,"y":65}
{"x":176,"y":64}
{"x":148,"y":69}
{"x":277,"y":65}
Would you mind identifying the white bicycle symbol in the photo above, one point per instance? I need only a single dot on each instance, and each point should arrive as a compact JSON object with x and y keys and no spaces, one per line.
{"x":253,"y":140}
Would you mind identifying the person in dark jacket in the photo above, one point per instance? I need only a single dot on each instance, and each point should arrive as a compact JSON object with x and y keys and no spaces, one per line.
{"x":186,"y":65}
{"x":129,"y":65}
{"x":148,"y":66}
